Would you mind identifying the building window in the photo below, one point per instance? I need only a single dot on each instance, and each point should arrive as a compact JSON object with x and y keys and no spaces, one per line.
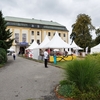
{"x":32,"y":33}
{"x":23,"y":37}
{"x":32,"y":40}
{"x":16,"y":37}
{"x":64,"y":35}
{"x":38,"y":41}
{"x":32,"y":25}
{"x":49,"y":34}
{"x":38,"y":26}
{"x":59,"y":34}
{"x":38,"y":33}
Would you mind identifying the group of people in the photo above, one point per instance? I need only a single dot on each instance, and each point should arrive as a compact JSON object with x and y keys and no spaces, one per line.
{"x":46,"y":57}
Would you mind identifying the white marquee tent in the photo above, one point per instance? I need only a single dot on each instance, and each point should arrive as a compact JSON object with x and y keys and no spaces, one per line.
{"x":11,"y":49}
{"x":74,"y":46}
{"x":95,"y":49}
{"x":56,"y":42}
{"x":33,"y":50}
{"x":45,"y":41}
{"x":33,"y":45}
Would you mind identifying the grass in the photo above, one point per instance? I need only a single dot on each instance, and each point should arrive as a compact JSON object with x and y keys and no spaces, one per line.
{"x":61,"y":64}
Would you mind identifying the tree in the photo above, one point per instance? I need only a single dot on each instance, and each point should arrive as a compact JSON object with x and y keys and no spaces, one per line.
{"x":5,"y":34}
{"x":81,"y":31}
{"x":97,"y":39}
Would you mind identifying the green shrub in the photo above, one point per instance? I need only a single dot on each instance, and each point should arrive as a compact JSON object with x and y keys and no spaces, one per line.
{"x":3,"y":56}
{"x":95,"y":58}
{"x":90,"y":95}
{"x":82,"y":79}
{"x":85,"y":73}
{"x":67,"y":90}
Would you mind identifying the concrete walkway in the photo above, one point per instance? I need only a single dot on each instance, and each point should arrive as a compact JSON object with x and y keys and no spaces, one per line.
{"x":24,"y":79}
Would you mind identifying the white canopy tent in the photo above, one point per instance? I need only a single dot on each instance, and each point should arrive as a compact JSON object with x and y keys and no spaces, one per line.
{"x":56,"y":42}
{"x":45,"y":41}
{"x":33,"y":50}
{"x":95,"y":49}
{"x":33,"y":45}
{"x":10,"y":49}
{"x":76,"y":48}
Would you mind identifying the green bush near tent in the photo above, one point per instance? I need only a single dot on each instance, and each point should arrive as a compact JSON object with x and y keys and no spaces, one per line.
{"x":3,"y":56}
{"x":85,"y":74}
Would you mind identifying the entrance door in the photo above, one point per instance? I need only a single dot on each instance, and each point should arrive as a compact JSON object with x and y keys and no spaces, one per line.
{"x":22,"y":50}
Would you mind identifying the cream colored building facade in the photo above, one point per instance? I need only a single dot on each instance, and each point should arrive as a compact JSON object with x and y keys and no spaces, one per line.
{"x":25,"y":31}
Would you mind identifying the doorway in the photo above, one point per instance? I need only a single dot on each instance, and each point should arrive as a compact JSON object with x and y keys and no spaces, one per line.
{"x":22,"y":50}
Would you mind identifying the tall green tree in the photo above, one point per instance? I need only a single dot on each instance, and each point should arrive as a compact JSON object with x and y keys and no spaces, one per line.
{"x":81,"y":31}
{"x":5,"y":34}
{"x":97,"y":39}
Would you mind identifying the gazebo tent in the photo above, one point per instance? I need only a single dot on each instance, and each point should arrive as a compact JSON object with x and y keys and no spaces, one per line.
{"x":45,"y":41}
{"x":33,"y":50}
{"x":95,"y":49}
{"x":56,"y":42}
{"x":33,"y":45}
{"x":10,"y":49}
{"x":75,"y":47}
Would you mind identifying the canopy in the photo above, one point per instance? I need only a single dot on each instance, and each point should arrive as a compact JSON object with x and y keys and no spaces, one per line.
{"x":74,"y":46}
{"x":45,"y":41}
{"x":33,"y":45}
{"x":95,"y":49}
{"x":56,"y":42}
{"x":11,"y":49}
{"x":56,"y":50}
{"x":23,"y":44}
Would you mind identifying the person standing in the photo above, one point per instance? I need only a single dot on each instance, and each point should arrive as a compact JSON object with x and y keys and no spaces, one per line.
{"x":14,"y":55}
{"x":46,"y":55}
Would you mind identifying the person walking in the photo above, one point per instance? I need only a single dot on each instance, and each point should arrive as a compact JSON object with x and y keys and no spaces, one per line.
{"x":46,"y":55}
{"x":14,"y":55}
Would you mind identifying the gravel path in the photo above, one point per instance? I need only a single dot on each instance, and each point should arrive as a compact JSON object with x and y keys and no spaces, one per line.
{"x":24,"y":79}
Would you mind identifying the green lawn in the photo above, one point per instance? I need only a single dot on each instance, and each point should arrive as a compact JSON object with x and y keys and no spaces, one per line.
{"x":61,"y":64}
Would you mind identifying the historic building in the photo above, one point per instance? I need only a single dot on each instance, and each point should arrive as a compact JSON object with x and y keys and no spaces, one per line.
{"x":25,"y":31}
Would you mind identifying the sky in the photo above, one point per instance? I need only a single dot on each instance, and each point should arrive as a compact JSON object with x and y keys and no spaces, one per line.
{"x":64,"y":12}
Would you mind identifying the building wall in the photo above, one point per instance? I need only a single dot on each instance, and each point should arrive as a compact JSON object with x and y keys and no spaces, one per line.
{"x":22,"y":34}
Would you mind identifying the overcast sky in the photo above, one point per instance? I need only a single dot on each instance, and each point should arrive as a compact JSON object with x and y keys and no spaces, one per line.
{"x":62,"y":11}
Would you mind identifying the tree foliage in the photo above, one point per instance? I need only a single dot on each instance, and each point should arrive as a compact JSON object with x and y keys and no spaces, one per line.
{"x":97,"y":39}
{"x":81,"y":31}
{"x":3,"y":56}
{"x":5,"y":34}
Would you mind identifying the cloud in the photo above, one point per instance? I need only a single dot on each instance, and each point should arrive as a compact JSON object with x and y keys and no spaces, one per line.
{"x":62,"y":11}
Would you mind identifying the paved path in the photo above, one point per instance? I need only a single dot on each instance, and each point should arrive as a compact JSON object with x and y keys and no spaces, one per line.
{"x":24,"y":79}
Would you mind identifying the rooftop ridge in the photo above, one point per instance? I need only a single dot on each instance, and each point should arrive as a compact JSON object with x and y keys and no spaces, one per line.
{"x":31,"y":20}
